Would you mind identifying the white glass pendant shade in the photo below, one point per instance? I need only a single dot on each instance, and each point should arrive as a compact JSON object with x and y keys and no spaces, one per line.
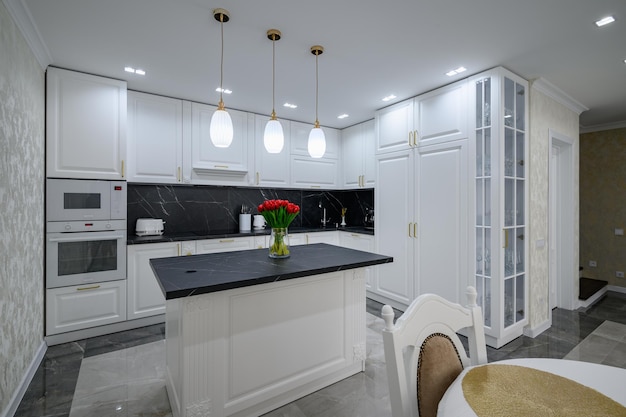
{"x":317,"y":142}
{"x":273,"y":137}
{"x":221,"y":130}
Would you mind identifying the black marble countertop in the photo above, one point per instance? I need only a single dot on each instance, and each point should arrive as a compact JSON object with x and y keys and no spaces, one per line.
{"x":180,"y":237}
{"x":184,"y":276}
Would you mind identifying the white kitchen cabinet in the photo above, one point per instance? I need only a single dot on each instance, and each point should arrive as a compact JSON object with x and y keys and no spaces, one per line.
{"x":431,"y":118}
{"x":422,"y":221}
{"x":500,"y":126}
{"x":224,"y":245}
{"x":358,"y":151}
{"x":271,"y":169}
{"x":260,"y":241}
{"x":307,"y":172}
{"x":300,"y":140}
{"x":331,"y":237}
{"x":85,"y":126}
{"x":297,"y":239}
{"x":155,"y":138}
{"x":222,"y":166}
{"x":145,"y":297}
{"x":361,"y":242}
{"x":85,"y":306}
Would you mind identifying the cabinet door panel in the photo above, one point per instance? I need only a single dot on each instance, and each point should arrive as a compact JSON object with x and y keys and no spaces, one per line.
{"x":155,"y":138}
{"x":210,"y":163}
{"x":85,"y":125}
{"x":394,"y":202}
{"x":368,"y":141}
{"x":224,"y":245}
{"x":352,"y":156}
{"x":442,"y":237}
{"x":443,"y":114}
{"x":393,"y":125}
{"x":145,"y":297}
{"x":313,"y":173}
{"x":300,"y":140}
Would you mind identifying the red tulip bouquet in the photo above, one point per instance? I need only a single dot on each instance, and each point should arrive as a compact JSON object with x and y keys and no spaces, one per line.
{"x":279,"y":214}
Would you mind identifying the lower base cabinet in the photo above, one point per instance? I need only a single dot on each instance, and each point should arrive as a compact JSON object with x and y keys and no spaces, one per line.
{"x":83,"y":306}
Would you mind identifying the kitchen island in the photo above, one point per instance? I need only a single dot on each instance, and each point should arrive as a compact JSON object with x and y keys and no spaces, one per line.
{"x":246,"y":334}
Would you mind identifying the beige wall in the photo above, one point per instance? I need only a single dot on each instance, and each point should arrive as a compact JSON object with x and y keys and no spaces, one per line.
{"x":546,"y":114}
{"x":603,"y":204}
{"x":21,"y":207}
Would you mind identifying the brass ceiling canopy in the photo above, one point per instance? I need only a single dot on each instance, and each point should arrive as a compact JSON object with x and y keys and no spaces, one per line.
{"x":274,"y":34}
{"x":317,"y":50}
{"x":221,"y":15}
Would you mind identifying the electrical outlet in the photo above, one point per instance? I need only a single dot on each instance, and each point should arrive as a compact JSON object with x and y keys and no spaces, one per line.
{"x":593,"y":264}
{"x":619,"y":274}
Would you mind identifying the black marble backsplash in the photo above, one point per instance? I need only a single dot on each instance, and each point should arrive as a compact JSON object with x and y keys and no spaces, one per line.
{"x":215,"y":209}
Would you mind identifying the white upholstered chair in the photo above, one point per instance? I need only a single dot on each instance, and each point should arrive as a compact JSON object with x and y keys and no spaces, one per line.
{"x":424,"y":354}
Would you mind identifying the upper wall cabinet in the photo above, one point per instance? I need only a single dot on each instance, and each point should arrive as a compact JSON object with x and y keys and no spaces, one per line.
{"x":155,"y":138}
{"x":224,"y":166}
{"x":359,"y":162}
{"x":435,"y":117}
{"x":85,"y":125}
{"x":300,"y":140}
{"x":271,"y":169}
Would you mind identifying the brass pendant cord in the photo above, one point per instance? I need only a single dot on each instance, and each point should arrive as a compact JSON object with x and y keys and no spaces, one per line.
{"x":273,"y":74}
{"x":222,"y":61}
{"x":316,"y":90}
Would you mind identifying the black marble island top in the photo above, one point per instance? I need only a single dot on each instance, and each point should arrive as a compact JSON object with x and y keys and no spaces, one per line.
{"x":185,"y":276}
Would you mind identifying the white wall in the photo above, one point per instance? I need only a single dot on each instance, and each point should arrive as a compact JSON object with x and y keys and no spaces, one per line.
{"x":546,"y":113}
{"x":22,"y":160}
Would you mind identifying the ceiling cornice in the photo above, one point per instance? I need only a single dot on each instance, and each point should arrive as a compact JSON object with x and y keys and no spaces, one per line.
{"x":24,"y":21}
{"x":544,"y":86}
{"x":605,"y":126}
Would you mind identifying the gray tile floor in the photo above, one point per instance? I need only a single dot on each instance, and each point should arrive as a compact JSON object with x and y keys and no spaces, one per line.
{"x":123,"y":374}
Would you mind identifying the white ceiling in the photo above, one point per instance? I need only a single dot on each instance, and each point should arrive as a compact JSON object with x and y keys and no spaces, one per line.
{"x":372,"y":48}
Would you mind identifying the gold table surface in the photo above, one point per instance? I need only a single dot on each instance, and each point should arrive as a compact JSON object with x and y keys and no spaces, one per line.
{"x":537,"y":387}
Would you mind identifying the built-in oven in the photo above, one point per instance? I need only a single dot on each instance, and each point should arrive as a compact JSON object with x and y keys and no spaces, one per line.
{"x":85,"y":232}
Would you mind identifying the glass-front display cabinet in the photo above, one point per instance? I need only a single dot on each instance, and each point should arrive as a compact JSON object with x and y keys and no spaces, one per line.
{"x":501,"y":211}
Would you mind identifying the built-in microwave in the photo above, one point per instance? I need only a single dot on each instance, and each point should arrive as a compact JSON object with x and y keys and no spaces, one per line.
{"x":77,"y":200}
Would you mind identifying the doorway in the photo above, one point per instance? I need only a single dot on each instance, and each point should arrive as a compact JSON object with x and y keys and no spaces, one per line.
{"x":563,"y":277}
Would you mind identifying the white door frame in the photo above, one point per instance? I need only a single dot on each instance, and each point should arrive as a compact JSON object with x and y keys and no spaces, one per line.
{"x":561,"y":221}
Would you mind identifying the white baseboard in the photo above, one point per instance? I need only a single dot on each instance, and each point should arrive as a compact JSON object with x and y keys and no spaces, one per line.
{"x":537,"y":330}
{"x":615,"y":288}
{"x":18,"y":394}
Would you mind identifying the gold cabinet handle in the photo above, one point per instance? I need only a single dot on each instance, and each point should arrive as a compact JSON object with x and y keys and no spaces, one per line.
{"x":93,"y":287}
{"x":178,"y":249}
{"x":221,"y":166}
{"x":411,"y":139}
{"x":122,"y":168}
{"x":506,"y":238}
{"x":415,"y":230}
{"x":410,"y":230}
{"x":316,"y":186}
{"x":415,"y":133}
{"x":227,"y":240}
{"x":178,"y":175}
{"x":257,"y":178}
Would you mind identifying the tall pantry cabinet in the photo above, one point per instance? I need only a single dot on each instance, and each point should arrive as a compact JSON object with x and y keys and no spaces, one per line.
{"x":451,"y":199}
{"x":421,"y":197}
{"x":499,"y":169}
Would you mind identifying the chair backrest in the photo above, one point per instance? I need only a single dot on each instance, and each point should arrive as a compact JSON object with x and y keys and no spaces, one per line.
{"x":424,"y":354}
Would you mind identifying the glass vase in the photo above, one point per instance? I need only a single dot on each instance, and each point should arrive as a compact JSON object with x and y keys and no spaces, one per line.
{"x":279,"y":243}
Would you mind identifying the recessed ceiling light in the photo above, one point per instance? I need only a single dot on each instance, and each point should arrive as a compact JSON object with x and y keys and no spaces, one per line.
{"x":605,"y":21}
{"x":291,"y":106}
{"x":389,"y":97}
{"x":342,"y":116}
{"x":456,"y":71}
{"x":134,"y":71}
{"x":223,"y":90}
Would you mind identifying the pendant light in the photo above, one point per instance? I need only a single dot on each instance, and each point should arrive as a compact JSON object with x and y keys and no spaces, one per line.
{"x":221,"y":130}
{"x":317,"y":140}
{"x":273,"y":137}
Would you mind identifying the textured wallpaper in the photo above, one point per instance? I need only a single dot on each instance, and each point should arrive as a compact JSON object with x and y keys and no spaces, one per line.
{"x":603,"y":204}
{"x":545,"y":114}
{"x":21,"y":206}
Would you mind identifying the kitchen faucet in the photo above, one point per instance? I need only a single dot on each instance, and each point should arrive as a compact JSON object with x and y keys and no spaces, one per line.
{"x":324,"y":220}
